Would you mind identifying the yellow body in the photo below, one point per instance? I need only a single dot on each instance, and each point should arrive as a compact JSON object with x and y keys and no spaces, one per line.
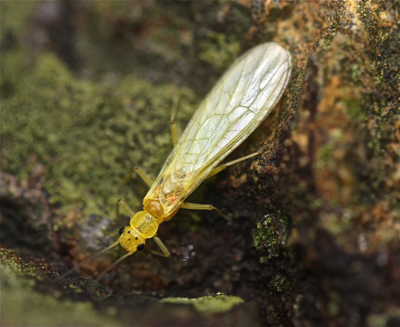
{"x":142,"y":226}
{"x":235,"y":107}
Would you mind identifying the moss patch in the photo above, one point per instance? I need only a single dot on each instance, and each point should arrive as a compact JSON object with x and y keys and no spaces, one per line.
{"x":86,"y":137}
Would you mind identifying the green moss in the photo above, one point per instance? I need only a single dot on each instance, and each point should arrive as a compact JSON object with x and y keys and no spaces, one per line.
{"x":218,"y":50}
{"x":208,"y":304}
{"x":87,"y":137}
{"x":281,"y":284}
{"x":267,"y":236}
{"x":11,"y":262}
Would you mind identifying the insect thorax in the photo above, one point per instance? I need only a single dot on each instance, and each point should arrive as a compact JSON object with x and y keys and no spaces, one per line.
{"x":165,"y":196}
{"x":153,"y":207}
{"x":145,"y":224}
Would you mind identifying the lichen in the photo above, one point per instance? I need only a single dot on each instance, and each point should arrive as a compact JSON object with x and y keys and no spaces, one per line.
{"x":208,"y":304}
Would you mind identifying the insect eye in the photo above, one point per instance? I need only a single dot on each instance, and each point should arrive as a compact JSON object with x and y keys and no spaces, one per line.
{"x":140,"y":247}
{"x":121,"y":230}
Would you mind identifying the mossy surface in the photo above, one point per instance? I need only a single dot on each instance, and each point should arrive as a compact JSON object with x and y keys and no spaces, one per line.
{"x":87,"y":137}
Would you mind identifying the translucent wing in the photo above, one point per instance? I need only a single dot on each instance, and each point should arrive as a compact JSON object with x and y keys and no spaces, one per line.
{"x":235,"y":107}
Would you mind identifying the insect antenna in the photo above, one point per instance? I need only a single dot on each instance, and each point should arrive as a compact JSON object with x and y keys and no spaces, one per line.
{"x":92,"y":291}
{"x":88,"y":259}
{"x":113,"y":265}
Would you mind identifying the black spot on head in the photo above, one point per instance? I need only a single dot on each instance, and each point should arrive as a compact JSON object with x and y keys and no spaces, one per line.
{"x":129,"y":231}
{"x":140,"y":247}
{"x":136,"y":238}
{"x":121,"y":230}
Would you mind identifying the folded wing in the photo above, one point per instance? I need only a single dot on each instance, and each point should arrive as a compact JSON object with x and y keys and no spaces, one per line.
{"x":235,"y":107}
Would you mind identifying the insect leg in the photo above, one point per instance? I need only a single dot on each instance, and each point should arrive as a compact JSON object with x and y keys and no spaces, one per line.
{"x":161,"y":245}
{"x":197,"y":206}
{"x":142,"y":175}
{"x":216,"y":170}
{"x":172,"y":124}
{"x":121,"y":203}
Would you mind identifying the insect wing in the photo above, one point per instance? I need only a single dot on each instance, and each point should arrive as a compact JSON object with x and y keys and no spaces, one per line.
{"x":235,"y":107}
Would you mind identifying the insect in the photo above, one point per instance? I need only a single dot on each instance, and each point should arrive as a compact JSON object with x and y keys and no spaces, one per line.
{"x":235,"y":107}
